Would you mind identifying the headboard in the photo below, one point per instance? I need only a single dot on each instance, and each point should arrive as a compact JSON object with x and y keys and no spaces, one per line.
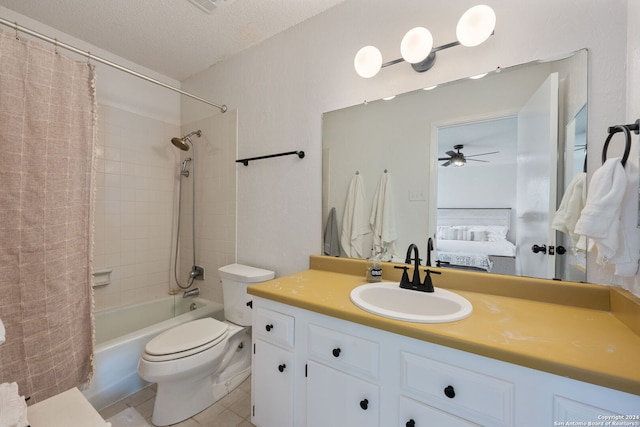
{"x":475,"y":216}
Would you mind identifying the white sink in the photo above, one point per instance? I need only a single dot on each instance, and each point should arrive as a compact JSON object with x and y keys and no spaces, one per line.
{"x":387,"y":299}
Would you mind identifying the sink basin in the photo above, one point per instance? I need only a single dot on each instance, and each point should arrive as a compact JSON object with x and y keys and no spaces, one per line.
{"x":387,"y":299}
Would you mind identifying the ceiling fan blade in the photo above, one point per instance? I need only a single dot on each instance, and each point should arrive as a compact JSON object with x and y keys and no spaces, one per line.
{"x":452,"y":153}
{"x":476,"y":160}
{"x":445,"y":164}
{"x":444,"y":158}
{"x":483,"y":154}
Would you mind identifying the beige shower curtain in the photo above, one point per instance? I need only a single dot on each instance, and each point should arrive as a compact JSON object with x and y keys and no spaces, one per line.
{"x":47,"y":136}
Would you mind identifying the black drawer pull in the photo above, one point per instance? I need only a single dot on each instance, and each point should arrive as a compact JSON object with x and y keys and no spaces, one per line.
{"x":449,"y":392}
{"x":281,"y":367}
{"x":336,"y":352}
{"x":364,"y":404}
{"x":410,"y":423}
{"x":269,"y":327}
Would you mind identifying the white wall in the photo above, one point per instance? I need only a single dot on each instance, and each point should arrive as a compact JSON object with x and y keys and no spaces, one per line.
{"x":282,"y":86}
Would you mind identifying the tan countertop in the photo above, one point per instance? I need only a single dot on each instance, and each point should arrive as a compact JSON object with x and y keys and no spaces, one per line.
{"x":586,"y":332}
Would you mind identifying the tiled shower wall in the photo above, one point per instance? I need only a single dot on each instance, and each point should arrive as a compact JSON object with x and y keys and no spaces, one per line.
{"x":136,"y":205}
{"x":135,"y":179}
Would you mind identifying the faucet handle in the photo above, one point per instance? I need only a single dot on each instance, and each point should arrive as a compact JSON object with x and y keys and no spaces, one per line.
{"x":404,"y":282}
{"x":428,"y":284}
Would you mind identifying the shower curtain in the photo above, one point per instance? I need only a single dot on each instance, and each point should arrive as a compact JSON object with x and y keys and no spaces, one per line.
{"x":47,"y":138}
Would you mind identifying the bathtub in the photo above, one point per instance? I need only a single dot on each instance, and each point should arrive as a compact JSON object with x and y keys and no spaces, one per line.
{"x":122,"y":333}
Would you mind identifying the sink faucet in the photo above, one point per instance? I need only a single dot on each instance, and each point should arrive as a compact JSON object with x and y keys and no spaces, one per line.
{"x":416,"y":266}
{"x":429,"y":249}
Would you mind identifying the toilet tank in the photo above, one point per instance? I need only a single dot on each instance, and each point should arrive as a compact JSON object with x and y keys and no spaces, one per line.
{"x":235,"y":278}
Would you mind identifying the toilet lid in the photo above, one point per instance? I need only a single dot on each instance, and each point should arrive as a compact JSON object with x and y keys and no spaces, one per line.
{"x":187,"y":336}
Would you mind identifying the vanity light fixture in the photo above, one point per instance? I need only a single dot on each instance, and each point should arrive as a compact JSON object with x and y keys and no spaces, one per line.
{"x":474,"y":27}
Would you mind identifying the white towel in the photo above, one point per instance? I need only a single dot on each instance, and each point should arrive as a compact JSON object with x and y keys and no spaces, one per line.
{"x":354,"y":220}
{"x":568,"y":213}
{"x":609,"y":216}
{"x":2,"y":333}
{"x":331,"y":237}
{"x":383,"y":217}
{"x":13,"y":408}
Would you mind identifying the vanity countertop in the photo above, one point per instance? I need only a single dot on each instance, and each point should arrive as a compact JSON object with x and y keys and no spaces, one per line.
{"x":586,"y":332}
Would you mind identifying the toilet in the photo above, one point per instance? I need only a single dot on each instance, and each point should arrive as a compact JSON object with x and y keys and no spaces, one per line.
{"x":199,"y":362}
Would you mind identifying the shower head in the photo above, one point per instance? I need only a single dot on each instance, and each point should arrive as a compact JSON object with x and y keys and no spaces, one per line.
{"x":181,"y":143}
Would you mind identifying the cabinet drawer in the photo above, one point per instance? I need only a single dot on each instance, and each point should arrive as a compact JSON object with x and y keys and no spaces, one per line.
{"x":275,"y":327}
{"x":415,"y":414}
{"x":468,"y":394}
{"x":344,"y":351}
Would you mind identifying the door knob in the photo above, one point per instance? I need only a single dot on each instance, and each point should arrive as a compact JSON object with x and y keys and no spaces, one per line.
{"x":269,"y":327}
{"x":282,"y":367}
{"x":542,"y":248}
{"x":561,"y":250}
{"x":450,"y":392}
{"x":336,"y":352}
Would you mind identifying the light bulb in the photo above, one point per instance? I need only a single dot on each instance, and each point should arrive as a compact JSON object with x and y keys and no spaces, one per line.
{"x":476,"y":25}
{"x":416,"y":45}
{"x":368,"y":61}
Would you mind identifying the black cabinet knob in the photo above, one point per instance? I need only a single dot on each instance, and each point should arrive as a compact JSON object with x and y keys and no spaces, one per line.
{"x":410,"y":423}
{"x":364,"y":404}
{"x":281,"y":367}
{"x":336,"y":352}
{"x":269,"y":327}
{"x":449,"y":392}
{"x":561,"y":250}
{"x":250,"y":304}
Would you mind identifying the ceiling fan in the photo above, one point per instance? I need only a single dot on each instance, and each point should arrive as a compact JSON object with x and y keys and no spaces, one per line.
{"x":459,"y":159}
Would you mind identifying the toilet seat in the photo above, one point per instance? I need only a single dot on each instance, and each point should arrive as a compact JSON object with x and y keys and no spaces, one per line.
{"x":185,"y":340}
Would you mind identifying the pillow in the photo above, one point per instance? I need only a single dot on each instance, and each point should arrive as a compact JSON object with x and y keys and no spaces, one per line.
{"x":461,"y":233}
{"x":494,"y":233}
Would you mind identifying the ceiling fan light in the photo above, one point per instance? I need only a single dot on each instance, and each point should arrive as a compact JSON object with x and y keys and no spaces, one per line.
{"x":416,"y":45}
{"x":368,"y":61}
{"x":476,"y":25}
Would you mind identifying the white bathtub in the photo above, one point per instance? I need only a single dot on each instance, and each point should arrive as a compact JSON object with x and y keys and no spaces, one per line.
{"x":121,"y":335}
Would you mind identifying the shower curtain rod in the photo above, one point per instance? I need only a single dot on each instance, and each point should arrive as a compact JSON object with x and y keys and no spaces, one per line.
{"x":90,"y":56}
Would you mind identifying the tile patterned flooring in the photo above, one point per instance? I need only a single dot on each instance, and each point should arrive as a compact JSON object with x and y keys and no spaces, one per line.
{"x":233,"y":410}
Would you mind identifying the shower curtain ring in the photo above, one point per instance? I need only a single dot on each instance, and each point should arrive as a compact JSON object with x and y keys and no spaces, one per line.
{"x":17,"y":32}
{"x":55,"y":49}
{"x":88,"y":57}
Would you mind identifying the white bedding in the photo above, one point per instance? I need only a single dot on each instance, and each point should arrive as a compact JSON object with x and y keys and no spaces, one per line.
{"x":499,"y":248}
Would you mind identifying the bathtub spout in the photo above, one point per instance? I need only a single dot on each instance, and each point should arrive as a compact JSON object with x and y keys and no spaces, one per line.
{"x":192,"y":293}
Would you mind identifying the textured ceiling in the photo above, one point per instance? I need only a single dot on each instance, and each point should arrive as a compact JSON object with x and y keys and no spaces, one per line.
{"x":172,"y":37}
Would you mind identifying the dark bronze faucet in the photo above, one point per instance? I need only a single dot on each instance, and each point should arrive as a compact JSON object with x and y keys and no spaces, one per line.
{"x":415,"y":284}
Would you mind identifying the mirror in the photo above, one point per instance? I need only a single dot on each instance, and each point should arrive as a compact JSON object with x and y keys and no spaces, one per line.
{"x":510,"y":154}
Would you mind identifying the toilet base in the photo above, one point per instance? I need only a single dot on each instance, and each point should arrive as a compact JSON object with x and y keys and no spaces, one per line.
{"x":178,"y":400}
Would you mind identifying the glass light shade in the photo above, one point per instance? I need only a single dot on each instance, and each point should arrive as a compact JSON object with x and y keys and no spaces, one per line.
{"x":368,"y":61}
{"x":416,"y":45}
{"x":476,"y":25}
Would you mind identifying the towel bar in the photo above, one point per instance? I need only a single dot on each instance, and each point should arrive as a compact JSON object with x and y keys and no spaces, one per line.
{"x":246,"y":161}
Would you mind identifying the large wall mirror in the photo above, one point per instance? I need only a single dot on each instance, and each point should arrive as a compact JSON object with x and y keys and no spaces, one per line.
{"x":479,"y":166}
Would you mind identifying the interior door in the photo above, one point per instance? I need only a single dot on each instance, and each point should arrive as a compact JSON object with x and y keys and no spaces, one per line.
{"x":536,"y":181}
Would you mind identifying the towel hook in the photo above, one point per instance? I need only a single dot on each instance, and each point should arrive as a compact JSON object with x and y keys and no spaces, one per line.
{"x":627,"y":149}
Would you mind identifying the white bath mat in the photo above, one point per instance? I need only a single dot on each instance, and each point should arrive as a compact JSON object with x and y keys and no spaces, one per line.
{"x":128,"y":418}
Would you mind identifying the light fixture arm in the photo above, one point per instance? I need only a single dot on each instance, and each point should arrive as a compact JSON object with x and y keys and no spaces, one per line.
{"x":427,"y":63}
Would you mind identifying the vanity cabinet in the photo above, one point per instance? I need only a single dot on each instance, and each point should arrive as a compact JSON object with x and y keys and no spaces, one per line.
{"x":345,"y":373}
{"x":273,"y":369}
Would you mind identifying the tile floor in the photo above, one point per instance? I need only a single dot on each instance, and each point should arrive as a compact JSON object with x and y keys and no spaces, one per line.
{"x":233,"y":410}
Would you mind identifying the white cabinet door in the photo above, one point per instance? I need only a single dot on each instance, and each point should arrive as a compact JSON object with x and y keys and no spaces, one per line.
{"x":337,"y":399}
{"x":272,"y":386}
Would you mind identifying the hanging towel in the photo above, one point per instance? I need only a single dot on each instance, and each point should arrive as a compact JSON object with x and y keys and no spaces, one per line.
{"x":607,"y":217}
{"x":13,"y":408}
{"x":383,"y":217}
{"x":2,"y":333}
{"x":331,"y":237}
{"x":568,"y":213}
{"x":354,"y":220}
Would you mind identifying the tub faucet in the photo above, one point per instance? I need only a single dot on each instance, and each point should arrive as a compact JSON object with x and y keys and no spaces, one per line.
{"x":192,"y":293}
